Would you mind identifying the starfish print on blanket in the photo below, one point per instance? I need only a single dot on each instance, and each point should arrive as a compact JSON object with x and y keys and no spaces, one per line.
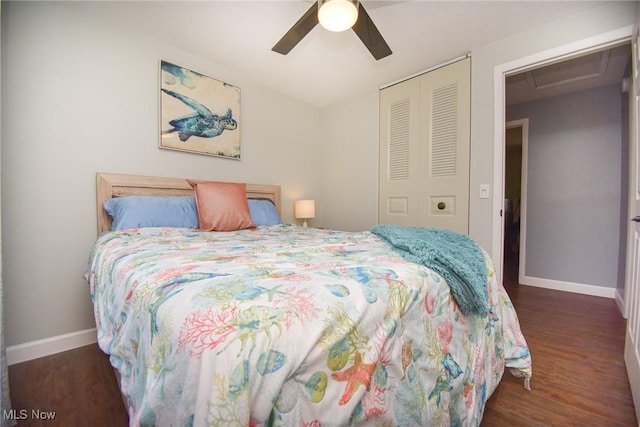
{"x":359,"y":374}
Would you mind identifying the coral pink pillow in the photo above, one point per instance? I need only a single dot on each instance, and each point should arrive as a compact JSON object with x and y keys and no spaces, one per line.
{"x":222,"y":206}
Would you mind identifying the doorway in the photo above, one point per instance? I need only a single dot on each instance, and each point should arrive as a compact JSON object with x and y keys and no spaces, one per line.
{"x":516,"y":140}
{"x":631,"y":291}
{"x":575,"y":72}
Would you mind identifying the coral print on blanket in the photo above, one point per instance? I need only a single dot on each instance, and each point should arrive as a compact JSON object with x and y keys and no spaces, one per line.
{"x":283,"y":325}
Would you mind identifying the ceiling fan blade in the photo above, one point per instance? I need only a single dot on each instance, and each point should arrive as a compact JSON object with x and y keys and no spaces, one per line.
{"x":370,"y":36}
{"x":298,"y":31}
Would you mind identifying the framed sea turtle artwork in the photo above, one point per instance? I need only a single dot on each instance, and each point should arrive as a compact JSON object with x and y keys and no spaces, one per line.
{"x":198,"y":114}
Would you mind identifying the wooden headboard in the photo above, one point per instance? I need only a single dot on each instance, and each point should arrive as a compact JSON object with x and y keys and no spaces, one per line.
{"x":109,"y":185}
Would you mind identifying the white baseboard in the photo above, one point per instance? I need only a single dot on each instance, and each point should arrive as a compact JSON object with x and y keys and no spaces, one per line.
{"x":621,"y":304}
{"x":578,"y":288}
{"x":48,"y":346}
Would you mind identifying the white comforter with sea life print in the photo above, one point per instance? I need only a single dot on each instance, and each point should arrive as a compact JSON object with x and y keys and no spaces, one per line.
{"x":292,"y":326}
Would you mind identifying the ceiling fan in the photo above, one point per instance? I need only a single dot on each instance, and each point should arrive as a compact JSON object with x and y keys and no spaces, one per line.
{"x":321,"y":11}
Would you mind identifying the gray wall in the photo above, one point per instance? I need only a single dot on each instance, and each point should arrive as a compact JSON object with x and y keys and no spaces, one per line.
{"x":485,"y":59}
{"x":350,"y":159}
{"x":80,"y":97}
{"x":573,"y":230}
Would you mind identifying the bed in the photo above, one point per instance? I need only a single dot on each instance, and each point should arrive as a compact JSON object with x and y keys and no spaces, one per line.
{"x":277,"y":324}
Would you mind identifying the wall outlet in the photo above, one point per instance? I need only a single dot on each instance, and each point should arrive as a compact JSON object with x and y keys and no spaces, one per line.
{"x":484,"y":191}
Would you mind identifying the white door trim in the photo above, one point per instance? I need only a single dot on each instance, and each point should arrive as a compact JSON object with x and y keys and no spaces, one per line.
{"x":524,"y":125}
{"x":499,"y":74}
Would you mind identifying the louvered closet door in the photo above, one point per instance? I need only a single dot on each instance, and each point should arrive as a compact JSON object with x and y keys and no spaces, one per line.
{"x":444,"y":155}
{"x":399,"y":162}
{"x":424,"y":150}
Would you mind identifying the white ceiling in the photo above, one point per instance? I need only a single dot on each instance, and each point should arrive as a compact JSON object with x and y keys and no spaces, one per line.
{"x":326,"y":68}
{"x":594,"y":69}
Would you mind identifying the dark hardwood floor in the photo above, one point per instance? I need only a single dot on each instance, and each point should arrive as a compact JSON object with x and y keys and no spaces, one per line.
{"x":577,"y":348}
{"x":78,"y":385}
{"x":576,"y":342}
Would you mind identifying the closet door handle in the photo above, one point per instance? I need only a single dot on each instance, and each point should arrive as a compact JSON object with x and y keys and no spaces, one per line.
{"x":442,"y":206}
{"x":636,"y":219}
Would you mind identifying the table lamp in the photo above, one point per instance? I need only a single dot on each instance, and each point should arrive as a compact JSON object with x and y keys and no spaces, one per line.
{"x":305,"y":209}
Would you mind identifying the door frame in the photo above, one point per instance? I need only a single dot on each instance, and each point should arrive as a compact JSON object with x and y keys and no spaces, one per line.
{"x":523,"y":124}
{"x":500,"y":72}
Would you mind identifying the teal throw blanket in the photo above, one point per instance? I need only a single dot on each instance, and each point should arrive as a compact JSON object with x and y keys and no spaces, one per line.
{"x":453,"y":255}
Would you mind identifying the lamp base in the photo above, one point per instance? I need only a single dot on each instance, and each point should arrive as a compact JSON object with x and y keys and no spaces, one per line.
{"x":304,"y":224}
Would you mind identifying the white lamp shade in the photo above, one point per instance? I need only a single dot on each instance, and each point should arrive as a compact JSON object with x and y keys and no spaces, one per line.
{"x":337,"y":15}
{"x":305,"y":209}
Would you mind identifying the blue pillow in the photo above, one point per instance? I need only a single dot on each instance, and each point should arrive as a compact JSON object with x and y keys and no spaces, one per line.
{"x":152,"y":211}
{"x":263,"y":212}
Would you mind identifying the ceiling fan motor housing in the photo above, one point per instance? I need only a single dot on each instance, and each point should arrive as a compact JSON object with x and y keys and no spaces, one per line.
{"x":337,"y":15}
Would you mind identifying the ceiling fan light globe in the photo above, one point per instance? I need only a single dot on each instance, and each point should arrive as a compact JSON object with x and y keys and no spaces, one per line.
{"x":337,"y":15}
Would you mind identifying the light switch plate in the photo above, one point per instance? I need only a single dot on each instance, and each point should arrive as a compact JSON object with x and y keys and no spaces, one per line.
{"x":484,"y":191}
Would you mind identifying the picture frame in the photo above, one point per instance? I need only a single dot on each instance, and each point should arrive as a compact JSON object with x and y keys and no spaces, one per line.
{"x":198,"y":114}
